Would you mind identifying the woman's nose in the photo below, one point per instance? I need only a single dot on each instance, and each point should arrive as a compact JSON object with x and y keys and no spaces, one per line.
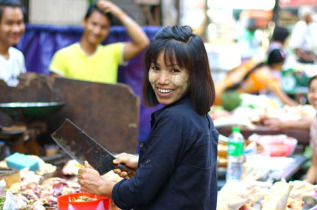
{"x":163,"y":77}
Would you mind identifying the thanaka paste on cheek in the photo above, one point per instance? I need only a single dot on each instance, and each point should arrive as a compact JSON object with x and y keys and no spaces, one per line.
{"x":180,"y":80}
{"x":152,"y":78}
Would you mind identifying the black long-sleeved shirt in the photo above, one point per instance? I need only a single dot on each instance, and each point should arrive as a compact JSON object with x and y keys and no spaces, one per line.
{"x":177,"y":163}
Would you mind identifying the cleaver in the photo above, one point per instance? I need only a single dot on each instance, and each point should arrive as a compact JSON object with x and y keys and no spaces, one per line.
{"x":81,"y":147}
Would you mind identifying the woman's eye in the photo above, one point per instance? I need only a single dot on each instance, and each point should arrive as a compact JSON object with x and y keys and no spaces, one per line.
{"x":155,"y":68}
{"x":175,"y":70}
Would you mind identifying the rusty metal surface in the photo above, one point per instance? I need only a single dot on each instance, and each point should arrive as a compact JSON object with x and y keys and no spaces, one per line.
{"x":109,"y":113}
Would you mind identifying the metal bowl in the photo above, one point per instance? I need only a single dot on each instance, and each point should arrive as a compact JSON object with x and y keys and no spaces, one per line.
{"x":28,"y":111}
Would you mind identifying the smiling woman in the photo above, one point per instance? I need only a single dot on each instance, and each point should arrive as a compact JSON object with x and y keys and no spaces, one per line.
{"x":184,"y":55}
{"x":182,"y":145}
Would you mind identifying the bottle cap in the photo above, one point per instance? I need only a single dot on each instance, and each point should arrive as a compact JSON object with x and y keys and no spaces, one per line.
{"x":235,"y":129}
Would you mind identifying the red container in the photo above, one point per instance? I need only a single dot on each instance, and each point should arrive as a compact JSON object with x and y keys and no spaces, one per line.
{"x":66,"y":202}
{"x":276,"y":145}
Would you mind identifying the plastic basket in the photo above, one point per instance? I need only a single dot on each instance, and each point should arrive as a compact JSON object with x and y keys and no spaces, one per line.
{"x":276,"y":145}
{"x":65,"y":202}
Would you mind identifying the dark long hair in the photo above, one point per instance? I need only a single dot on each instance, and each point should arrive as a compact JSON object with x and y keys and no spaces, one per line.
{"x":188,"y":51}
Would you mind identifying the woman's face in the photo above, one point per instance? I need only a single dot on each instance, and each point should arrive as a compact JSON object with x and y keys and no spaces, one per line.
{"x":312,"y":93}
{"x":169,"y":81}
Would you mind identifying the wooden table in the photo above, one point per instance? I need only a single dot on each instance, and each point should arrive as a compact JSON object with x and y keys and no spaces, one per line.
{"x":293,"y":168}
{"x":302,"y":136}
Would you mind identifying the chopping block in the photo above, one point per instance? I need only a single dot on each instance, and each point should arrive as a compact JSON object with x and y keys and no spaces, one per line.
{"x":109,"y":113}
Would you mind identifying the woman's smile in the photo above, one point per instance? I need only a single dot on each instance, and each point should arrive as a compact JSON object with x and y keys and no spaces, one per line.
{"x":164,"y":90}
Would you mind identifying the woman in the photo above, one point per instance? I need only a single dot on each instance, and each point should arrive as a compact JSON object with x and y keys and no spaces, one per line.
{"x":311,"y":175}
{"x":177,"y":164}
{"x":260,"y":78}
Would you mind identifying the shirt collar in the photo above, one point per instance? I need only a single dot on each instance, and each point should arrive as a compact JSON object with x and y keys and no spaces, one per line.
{"x":185,"y":100}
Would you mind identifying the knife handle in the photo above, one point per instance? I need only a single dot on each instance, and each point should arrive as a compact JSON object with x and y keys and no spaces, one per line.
{"x":130,"y":171}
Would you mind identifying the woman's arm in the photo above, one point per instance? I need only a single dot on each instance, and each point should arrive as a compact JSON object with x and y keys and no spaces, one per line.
{"x":91,"y":181}
{"x":303,"y":123}
{"x":311,"y":175}
{"x":283,"y":97}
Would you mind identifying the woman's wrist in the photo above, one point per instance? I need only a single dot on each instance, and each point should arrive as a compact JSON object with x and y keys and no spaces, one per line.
{"x":105,"y":189}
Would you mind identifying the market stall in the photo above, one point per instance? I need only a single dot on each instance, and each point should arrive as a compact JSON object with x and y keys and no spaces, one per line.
{"x":46,"y":185}
{"x":252,"y":194}
{"x":251,"y":112}
{"x":301,"y":135}
{"x":40,"y":42}
{"x":276,"y":152}
{"x":109,"y":112}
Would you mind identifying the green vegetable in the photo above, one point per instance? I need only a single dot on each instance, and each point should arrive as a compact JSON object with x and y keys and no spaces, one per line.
{"x":230,"y":100}
{"x":2,"y":200}
{"x":308,"y":152}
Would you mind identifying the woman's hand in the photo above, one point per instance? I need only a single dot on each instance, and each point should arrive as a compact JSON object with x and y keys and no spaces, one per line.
{"x":129,"y":160}
{"x":91,"y":181}
{"x":274,"y":123}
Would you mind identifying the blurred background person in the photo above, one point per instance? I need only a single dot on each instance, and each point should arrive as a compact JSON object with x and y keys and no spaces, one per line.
{"x":260,"y":79}
{"x":311,"y":175}
{"x":303,"y":123}
{"x":303,"y":39}
{"x":247,"y":36}
{"x":12,"y":27}
{"x":279,"y":37}
{"x":89,"y":60}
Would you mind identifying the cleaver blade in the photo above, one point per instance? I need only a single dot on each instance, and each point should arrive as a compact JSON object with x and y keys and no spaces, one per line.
{"x":81,"y":147}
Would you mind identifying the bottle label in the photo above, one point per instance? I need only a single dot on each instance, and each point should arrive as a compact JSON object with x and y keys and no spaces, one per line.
{"x":235,"y":148}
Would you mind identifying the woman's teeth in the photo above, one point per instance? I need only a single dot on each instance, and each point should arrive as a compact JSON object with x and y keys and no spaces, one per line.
{"x":164,"y":90}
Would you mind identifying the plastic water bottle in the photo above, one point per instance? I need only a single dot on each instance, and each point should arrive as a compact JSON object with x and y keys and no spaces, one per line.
{"x":235,"y":155}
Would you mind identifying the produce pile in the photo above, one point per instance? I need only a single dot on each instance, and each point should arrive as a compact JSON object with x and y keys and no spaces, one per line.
{"x":30,"y":194}
{"x":250,"y":194}
{"x":254,"y":110}
{"x":38,"y":190}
